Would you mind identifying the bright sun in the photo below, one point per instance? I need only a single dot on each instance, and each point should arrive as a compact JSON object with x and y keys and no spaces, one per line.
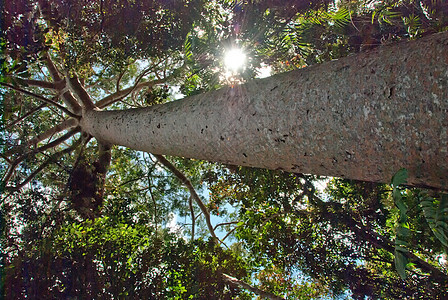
{"x":234,"y":59}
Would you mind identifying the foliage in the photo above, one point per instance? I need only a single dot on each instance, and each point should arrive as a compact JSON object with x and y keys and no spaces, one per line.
{"x":346,"y":242}
{"x":285,"y":236}
{"x":90,"y":32}
{"x":106,"y":259}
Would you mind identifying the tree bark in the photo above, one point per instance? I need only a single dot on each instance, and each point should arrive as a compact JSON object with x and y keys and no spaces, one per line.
{"x":361,"y":117}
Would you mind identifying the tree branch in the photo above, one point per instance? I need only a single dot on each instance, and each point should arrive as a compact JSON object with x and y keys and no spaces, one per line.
{"x":54,"y":73}
{"x":79,"y":91}
{"x":226,"y":223}
{"x":154,"y":203}
{"x":229,"y":233}
{"x":192,"y":190}
{"x":41,"y":98}
{"x":21,"y":158}
{"x":193,"y":221}
{"x":36,"y":83}
{"x":67,"y":97}
{"x":117,"y":96}
{"x":50,"y":160}
{"x":70,"y":123}
{"x":52,"y":131}
{"x":120,"y":76}
{"x":241,"y":284}
{"x":26,"y":115}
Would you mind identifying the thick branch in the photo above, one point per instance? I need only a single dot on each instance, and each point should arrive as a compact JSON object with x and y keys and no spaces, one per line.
{"x":52,"y":131}
{"x":192,"y":190}
{"x":79,"y":91}
{"x":67,"y":97}
{"x":36,"y":83}
{"x":54,"y":73}
{"x":241,"y":284}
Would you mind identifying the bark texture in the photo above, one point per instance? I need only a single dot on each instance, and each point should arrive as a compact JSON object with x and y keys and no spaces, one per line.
{"x":362,"y":117}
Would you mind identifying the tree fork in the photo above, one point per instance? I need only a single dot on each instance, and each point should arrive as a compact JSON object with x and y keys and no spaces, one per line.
{"x":361,"y":117}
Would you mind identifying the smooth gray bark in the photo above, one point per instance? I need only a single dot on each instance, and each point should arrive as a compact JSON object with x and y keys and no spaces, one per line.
{"x":361,"y":117}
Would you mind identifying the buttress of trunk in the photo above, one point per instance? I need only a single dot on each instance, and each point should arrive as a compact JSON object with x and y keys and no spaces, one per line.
{"x":87,"y":184}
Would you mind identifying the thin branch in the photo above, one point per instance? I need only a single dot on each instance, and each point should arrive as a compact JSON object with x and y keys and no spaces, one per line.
{"x":229,"y":233}
{"x":270,"y":218}
{"x":192,"y":190}
{"x":6,"y":158}
{"x":155,"y":204}
{"x":119,"y":79}
{"x":46,"y":100}
{"x":21,"y":158}
{"x":112,"y":98}
{"x":25,"y":116}
{"x":50,"y":160}
{"x":226,"y":223}
{"x":241,"y":284}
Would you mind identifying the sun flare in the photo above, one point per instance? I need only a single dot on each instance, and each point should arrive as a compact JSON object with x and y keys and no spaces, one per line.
{"x":234,"y":59}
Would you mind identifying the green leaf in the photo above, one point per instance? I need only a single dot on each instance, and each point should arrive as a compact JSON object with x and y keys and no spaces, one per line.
{"x":400,"y":177}
{"x":400,"y":263}
{"x":403,"y":231}
{"x":436,"y":215}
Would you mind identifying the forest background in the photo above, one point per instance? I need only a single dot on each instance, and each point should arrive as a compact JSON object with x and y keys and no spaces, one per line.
{"x":82,"y":218}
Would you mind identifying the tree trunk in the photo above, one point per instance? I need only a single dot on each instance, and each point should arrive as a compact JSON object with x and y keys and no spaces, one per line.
{"x":361,"y":117}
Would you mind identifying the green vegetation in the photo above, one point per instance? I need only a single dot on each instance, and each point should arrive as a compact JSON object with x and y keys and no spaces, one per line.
{"x":81,"y":219}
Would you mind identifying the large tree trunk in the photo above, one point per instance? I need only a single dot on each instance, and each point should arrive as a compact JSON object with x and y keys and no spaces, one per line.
{"x":362,"y":117}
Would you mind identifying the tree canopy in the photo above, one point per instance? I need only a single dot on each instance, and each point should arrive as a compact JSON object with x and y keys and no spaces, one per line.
{"x":82,"y":218}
